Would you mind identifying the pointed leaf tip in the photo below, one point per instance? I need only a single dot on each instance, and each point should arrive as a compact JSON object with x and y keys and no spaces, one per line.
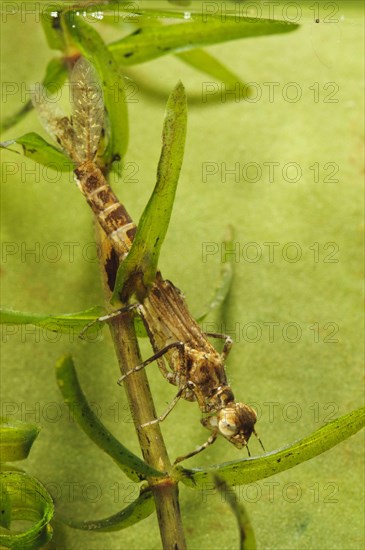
{"x":141,"y":262}
{"x":68,"y":383}
{"x":16,"y":439}
{"x":249,"y":470}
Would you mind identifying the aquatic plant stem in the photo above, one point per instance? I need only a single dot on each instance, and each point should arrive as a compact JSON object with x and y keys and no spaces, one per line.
{"x":153,"y":448}
{"x":165,"y":490}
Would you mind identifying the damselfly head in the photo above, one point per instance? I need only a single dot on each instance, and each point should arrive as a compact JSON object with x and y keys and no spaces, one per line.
{"x":235,"y":422}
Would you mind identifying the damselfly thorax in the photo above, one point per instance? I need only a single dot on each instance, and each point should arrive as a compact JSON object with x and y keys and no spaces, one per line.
{"x":190,"y":362}
{"x":184,"y":354}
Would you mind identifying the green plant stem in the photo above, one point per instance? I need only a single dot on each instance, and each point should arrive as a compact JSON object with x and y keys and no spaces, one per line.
{"x":165,"y":490}
{"x":150,"y":438}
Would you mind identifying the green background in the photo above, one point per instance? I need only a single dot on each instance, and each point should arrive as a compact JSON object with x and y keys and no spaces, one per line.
{"x":296,"y":386}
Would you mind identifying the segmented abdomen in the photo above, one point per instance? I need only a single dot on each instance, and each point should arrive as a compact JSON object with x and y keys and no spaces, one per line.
{"x":110,"y":213}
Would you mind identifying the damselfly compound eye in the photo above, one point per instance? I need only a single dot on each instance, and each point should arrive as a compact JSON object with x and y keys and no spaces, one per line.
{"x":226,"y":428}
{"x":227,"y":424}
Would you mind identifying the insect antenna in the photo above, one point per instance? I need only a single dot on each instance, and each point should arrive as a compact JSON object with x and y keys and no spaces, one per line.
{"x":259,"y":440}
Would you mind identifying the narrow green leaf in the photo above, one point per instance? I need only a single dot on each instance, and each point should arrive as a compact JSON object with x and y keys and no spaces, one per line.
{"x":16,"y":439}
{"x":225,"y":281}
{"x":247,"y":535}
{"x":5,"y":507}
{"x":55,"y":323}
{"x":203,"y":61}
{"x":38,"y":149}
{"x":143,"y":257}
{"x":249,"y":470}
{"x":55,"y":76}
{"x":135,"y":468}
{"x":127,"y":10}
{"x":140,"y":328}
{"x":28,"y":501}
{"x":11,"y":120}
{"x":94,"y":49}
{"x":138,"y":510}
{"x":51,"y":24}
{"x":184,"y":3}
{"x":197,"y":31}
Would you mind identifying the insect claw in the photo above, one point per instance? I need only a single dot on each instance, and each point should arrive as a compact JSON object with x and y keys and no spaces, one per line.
{"x":150,"y":423}
{"x":86,"y":328}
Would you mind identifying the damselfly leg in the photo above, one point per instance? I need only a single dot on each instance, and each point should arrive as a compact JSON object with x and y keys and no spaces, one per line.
{"x":106,"y":318}
{"x":169,"y":408}
{"x":227,"y":344}
{"x":201,"y":448}
{"x":179,"y":345}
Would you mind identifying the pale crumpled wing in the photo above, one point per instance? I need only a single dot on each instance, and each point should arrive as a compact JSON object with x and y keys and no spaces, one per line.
{"x":54,"y":120}
{"x":87,"y":108}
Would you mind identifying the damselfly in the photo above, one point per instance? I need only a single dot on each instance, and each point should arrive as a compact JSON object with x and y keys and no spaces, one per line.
{"x":185,"y":356}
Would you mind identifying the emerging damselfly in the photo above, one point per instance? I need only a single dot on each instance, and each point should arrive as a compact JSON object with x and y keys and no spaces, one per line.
{"x":185,"y":356}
